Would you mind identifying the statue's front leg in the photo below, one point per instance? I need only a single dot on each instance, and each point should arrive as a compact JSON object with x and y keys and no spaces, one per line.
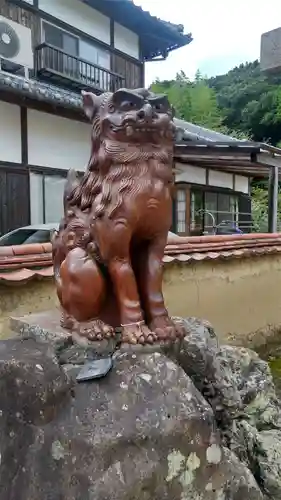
{"x":150,"y":279}
{"x":116,"y":252}
{"x":134,"y":329}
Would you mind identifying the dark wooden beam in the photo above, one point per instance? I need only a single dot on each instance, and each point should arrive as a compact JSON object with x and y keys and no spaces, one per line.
{"x":273,"y":200}
{"x":24,"y":135}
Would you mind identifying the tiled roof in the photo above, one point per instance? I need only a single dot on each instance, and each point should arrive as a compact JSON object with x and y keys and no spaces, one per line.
{"x":57,"y":96}
{"x":193,"y":132}
{"x":158,"y":37}
{"x":40,"y":91}
{"x":179,"y":28}
{"x":20,"y":264}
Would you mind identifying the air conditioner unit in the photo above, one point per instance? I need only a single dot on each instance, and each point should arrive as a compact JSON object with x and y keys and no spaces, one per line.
{"x":15,"y":43}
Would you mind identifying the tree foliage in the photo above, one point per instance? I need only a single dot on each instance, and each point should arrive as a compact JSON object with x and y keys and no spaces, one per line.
{"x":194,"y":101}
{"x":243,"y":103}
{"x":250,"y":102}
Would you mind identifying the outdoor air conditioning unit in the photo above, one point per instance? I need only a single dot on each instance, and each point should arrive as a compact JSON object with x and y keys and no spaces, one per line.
{"x":15,"y":43}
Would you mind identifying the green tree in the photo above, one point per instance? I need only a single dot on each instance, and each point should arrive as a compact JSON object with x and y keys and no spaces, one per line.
{"x":250,"y":102}
{"x":193,"y":101}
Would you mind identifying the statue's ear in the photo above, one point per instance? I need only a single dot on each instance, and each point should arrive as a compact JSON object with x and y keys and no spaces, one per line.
{"x":90,"y":104}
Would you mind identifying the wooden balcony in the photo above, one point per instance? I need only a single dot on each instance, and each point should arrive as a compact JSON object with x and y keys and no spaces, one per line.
{"x":63,"y":69}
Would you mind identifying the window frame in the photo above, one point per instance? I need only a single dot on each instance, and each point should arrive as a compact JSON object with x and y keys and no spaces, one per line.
{"x":79,"y":39}
{"x":43,"y":21}
{"x":43,"y":174}
{"x":182,"y":187}
{"x":190,"y":189}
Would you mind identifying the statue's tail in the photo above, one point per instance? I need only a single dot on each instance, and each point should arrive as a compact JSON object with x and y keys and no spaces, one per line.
{"x":57,"y":257}
{"x":58,"y":248}
{"x":72,"y":182}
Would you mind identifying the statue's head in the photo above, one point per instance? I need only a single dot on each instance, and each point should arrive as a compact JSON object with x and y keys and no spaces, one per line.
{"x":131,"y":116}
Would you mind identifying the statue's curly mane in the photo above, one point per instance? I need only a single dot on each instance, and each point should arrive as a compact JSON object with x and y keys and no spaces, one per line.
{"x":100,"y":176}
{"x":91,"y":184}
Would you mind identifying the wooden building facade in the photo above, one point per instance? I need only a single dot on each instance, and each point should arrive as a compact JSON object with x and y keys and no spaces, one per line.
{"x":50,"y":50}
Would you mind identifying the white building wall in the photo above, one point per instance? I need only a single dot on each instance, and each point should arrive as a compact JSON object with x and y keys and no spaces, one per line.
{"x":241,"y":184}
{"x":220,"y":179}
{"x":93,"y":23}
{"x":126,"y":41}
{"x":57,"y":142}
{"x":191,"y":174}
{"x":198,"y":175}
{"x":10,"y":133}
{"x":81,"y":16}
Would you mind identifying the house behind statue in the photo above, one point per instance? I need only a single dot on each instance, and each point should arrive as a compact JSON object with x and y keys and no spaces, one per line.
{"x":52,"y":49}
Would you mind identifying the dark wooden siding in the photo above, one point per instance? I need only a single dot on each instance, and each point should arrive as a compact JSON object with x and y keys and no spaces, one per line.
{"x":14,"y":199}
{"x":130,"y":70}
{"x":24,"y":17}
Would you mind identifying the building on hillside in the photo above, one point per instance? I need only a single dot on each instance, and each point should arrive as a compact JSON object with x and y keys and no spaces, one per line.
{"x":49,"y":51}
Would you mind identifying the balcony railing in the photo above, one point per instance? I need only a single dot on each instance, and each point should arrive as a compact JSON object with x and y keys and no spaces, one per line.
{"x":56,"y":65}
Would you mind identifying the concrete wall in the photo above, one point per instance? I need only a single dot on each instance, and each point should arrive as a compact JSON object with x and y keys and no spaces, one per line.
{"x":240,"y":297}
{"x":35,"y":296}
{"x":197,"y":175}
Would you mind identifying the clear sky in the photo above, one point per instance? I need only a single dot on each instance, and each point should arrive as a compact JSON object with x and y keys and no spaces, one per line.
{"x":225,"y":32}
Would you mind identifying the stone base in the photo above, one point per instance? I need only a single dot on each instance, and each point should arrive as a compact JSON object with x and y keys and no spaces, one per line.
{"x":45,"y":327}
{"x":42,"y":327}
{"x":242,"y":418}
{"x":143,"y":433}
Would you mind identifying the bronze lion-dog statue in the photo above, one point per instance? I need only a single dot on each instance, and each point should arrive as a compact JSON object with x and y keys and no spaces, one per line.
{"x":109,"y":249}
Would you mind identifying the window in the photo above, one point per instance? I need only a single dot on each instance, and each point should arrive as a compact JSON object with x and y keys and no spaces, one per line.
{"x":198,"y":211}
{"x":78,"y":48}
{"x":181,"y":211}
{"x":222,"y":206}
{"x":94,"y":54}
{"x":209,"y":208}
{"x":46,"y":198}
{"x":61,"y":39}
{"x":196,"y":219}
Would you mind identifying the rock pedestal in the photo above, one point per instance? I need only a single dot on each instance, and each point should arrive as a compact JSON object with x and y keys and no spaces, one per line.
{"x":194,"y":420}
{"x":144,"y":432}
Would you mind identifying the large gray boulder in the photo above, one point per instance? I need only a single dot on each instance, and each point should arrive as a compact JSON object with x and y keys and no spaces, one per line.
{"x":239,"y":386}
{"x":144,"y":432}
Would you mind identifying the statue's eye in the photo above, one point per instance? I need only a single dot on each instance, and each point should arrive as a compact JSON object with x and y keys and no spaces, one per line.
{"x":128,"y":105}
{"x":159,"y":107}
{"x":111,"y":108}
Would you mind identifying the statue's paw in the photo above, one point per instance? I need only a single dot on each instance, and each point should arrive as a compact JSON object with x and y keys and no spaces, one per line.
{"x":96,"y":330}
{"x":137,"y":333}
{"x":166,"y":330}
{"x":67,"y":321}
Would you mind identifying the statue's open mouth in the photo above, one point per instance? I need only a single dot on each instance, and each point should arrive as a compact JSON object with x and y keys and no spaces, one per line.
{"x":145,"y":130}
{"x":133,"y":129}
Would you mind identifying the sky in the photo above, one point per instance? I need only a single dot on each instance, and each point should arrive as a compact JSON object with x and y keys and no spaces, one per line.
{"x":225,"y":33}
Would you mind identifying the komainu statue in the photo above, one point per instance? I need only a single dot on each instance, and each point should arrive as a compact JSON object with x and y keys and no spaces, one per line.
{"x":109,"y":248}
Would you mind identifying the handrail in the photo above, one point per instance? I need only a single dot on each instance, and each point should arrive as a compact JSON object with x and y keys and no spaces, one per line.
{"x":79,"y":59}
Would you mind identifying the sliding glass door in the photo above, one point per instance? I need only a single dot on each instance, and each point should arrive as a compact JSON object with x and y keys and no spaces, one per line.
{"x":198,"y":211}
